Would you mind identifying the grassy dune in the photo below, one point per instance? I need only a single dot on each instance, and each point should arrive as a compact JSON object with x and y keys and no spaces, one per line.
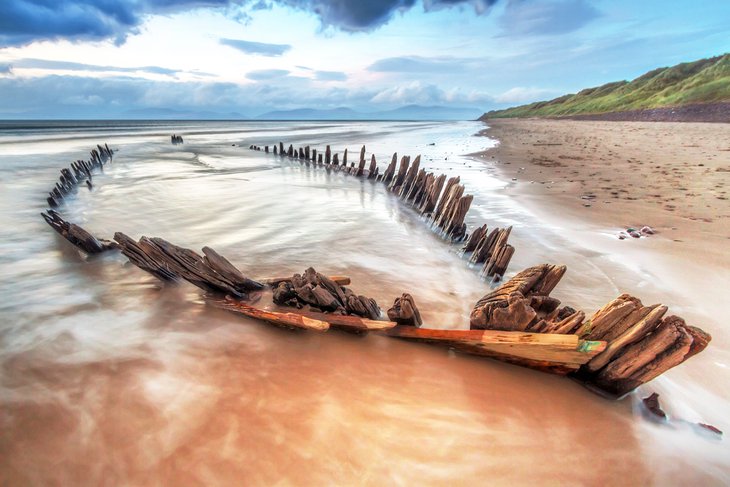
{"x":703,"y":81}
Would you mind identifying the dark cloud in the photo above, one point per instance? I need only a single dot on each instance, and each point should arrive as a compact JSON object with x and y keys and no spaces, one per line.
{"x":260,"y":48}
{"x":359,"y":15}
{"x":25,"y":21}
{"x":22,"y":21}
{"x":330,"y":76}
{"x":70,"y":66}
{"x":264,"y":74}
{"x":531,"y":17}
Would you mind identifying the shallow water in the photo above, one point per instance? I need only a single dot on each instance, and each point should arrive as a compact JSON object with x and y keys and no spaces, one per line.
{"x":109,"y":377}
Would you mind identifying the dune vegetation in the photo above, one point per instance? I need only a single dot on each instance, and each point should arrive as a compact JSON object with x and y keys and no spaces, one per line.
{"x":705,"y":81}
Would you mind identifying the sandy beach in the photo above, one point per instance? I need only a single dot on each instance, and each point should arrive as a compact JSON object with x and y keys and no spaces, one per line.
{"x":673,"y":177}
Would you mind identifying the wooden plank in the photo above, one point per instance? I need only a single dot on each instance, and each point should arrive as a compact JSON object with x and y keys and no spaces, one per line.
{"x":553,"y":348}
{"x":290,"y":320}
{"x":349,"y":322}
{"x":343,"y":322}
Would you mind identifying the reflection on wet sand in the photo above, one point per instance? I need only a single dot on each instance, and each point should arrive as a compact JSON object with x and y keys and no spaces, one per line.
{"x":109,"y":377}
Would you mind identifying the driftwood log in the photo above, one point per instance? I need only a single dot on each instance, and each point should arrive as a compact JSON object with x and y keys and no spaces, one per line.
{"x":641,"y":342}
{"x":318,"y":293}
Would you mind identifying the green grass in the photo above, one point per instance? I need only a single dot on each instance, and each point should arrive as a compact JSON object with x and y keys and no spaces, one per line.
{"x":703,"y":81}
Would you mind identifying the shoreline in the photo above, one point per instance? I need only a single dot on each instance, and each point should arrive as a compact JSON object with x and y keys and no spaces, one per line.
{"x":551,"y":166}
{"x":684,"y":265}
{"x":672,"y":177}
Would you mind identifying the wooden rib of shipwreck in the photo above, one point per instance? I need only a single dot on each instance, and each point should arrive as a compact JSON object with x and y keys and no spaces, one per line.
{"x":77,"y":235}
{"x":443,"y":203}
{"x":79,"y":172}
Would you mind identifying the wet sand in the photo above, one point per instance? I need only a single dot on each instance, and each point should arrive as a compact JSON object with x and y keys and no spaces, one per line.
{"x":589,"y":180}
{"x":109,"y":377}
{"x":673,"y":177}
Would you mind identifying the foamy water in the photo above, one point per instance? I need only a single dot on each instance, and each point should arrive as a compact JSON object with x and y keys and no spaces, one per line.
{"x":109,"y":377}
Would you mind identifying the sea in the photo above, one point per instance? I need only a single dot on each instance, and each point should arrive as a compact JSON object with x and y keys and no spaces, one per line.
{"x":111,"y":377}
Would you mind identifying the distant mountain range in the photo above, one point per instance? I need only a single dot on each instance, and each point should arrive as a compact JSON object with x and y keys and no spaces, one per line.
{"x":174,"y":114}
{"x":700,"y":88}
{"x":408,"y":112}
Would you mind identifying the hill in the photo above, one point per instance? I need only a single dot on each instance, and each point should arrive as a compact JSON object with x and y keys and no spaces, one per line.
{"x":658,"y":93}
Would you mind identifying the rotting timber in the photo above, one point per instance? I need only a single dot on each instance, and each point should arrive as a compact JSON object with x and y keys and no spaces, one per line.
{"x":442,"y":202}
{"x":623,"y":345}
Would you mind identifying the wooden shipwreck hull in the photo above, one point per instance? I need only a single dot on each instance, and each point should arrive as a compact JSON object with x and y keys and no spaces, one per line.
{"x":621,"y":346}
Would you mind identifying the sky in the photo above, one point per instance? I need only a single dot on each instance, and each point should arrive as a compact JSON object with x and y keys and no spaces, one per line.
{"x":243,"y":58}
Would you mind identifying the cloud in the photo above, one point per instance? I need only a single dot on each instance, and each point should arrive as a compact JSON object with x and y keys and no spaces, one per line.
{"x":549,"y":17}
{"x":260,"y":48}
{"x":360,"y":15}
{"x":6,"y":68}
{"x":71,"y":66}
{"x":67,"y":96}
{"x":416,"y":92}
{"x":265,"y":74}
{"x":330,"y":76}
{"x":418,"y":64}
{"x":26,"y":21}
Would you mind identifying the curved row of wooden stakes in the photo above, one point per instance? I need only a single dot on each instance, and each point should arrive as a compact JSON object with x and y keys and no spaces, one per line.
{"x":441,"y":201}
{"x":623,"y":345}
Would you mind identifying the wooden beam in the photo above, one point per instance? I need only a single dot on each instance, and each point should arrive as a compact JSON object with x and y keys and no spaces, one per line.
{"x":289,"y":320}
{"x":565,"y":350}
